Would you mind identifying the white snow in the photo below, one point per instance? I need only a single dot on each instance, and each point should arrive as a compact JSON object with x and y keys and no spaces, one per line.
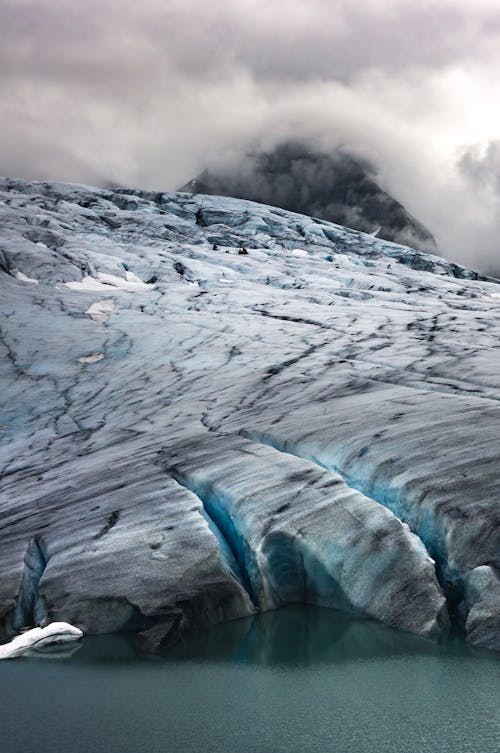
{"x":24,"y":278}
{"x":132,"y":278}
{"x":92,"y":358}
{"x":107,"y":283}
{"x":88,"y":284}
{"x":56,"y":632}
{"x":100,"y":311}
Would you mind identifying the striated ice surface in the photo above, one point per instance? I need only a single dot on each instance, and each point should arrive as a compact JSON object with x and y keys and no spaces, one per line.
{"x":212,"y":407}
{"x":482,"y":605}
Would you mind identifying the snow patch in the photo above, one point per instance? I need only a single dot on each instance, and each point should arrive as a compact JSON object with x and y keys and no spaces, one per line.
{"x":25,"y":278}
{"x":88,"y":284}
{"x":106,"y":283}
{"x":100,"y":311}
{"x":56,"y":632}
{"x":92,"y":358}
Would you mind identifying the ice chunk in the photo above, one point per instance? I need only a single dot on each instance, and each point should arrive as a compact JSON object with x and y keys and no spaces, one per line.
{"x":56,"y":632}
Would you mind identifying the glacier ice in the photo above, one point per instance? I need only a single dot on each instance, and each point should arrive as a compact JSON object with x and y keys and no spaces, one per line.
{"x":36,"y":638}
{"x":301,"y":534}
{"x":482,"y":604}
{"x":189,"y":434}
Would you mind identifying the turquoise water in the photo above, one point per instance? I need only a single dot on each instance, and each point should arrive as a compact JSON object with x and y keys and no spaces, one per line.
{"x":298,"y":680}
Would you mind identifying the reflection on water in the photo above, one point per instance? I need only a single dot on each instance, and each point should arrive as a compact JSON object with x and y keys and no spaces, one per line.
{"x":56,"y":651}
{"x":293,"y":636}
{"x":301,"y":635}
{"x":302,"y":679}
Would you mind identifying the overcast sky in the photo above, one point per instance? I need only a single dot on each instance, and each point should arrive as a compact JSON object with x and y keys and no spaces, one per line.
{"x":146,"y":92}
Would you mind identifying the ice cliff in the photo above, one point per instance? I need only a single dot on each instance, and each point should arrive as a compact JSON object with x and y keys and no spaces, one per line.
{"x":211,"y":407}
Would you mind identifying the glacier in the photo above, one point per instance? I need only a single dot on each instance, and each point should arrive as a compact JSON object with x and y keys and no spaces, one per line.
{"x":212,"y":407}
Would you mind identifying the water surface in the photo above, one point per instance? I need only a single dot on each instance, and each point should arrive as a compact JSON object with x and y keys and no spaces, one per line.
{"x":298,"y":680}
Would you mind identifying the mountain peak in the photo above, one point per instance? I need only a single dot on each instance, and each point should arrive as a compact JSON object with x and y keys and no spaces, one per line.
{"x":338,"y":186}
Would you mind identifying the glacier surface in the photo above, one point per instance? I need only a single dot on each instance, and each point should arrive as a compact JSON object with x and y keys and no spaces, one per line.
{"x":212,"y":407}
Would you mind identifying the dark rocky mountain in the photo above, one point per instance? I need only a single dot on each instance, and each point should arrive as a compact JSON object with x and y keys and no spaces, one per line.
{"x":339,"y":187}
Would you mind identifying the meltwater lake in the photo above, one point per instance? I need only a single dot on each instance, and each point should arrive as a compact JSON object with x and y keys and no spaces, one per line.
{"x":298,"y":680}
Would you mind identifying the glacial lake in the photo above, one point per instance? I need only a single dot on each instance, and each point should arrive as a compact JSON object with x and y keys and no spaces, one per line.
{"x":300,"y":680}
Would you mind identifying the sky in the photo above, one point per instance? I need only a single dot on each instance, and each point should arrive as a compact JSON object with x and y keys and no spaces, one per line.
{"x":149,"y":93}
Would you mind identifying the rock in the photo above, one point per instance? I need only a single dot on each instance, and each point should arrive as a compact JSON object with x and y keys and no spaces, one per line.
{"x":159,"y":637}
{"x":337,"y":186}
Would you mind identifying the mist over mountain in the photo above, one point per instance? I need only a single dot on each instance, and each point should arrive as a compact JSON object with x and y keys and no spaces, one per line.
{"x":338,"y":186}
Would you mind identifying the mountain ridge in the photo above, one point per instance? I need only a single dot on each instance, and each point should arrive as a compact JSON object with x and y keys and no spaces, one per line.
{"x":337,"y":186}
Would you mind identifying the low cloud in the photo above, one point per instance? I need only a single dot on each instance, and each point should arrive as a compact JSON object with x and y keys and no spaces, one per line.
{"x":148,"y":94}
{"x":480,"y":165}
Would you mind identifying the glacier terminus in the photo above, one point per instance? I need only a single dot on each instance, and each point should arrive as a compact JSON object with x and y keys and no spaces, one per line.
{"x":211,"y":407}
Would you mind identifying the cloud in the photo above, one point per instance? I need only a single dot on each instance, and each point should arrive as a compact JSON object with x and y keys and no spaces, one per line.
{"x":480,"y":164}
{"x":149,"y":93}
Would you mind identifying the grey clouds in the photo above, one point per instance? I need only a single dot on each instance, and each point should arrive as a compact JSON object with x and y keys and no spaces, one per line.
{"x":150,"y":93}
